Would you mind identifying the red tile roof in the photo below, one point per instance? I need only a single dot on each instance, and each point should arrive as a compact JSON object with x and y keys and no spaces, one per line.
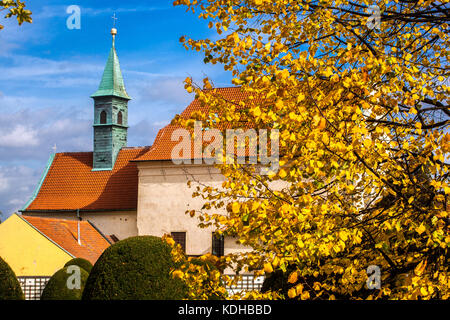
{"x":71,"y":184}
{"x":65,"y":234}
{"x":163,"y":145}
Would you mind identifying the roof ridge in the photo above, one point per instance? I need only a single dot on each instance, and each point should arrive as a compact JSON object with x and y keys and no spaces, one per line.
{"x":75,"y":152}
{"x":89,"y":152}
{"x":235,"y":87}
{"x":133,"y":148}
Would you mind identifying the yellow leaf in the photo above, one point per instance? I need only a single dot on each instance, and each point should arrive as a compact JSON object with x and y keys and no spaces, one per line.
{"x":335,"y":78}
{"x":293,"y":277}
{"x":255,"y":206}
{"x":367,"y":143}
{"x":322,"y":123}
{"x":421,"y":229}
{"x":447,"y":190}
{"x":279,"y":104}
{"x":300,"y":97}
{"x":276,"y":262}
{"x":235,"y":207}
{"x":292,"y":293}
{"x":424,"y":291}
{"x":343,"y":235}
{"x":420,"y":268}
{"x":316,"y":286}
{"x":305,"y":295}
{"x":328,"y":72}
{"x":178,"y":274}
{"x":257,"y":112}
{"x":268,"y":268}
{"x":170,"y":241}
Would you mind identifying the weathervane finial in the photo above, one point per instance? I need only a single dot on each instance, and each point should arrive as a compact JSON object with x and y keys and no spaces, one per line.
{"x":114,"y":30}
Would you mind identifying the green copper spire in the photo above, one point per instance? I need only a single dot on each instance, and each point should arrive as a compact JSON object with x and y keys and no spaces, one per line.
{"x":110,"y":115}
{"x":112,"y":81}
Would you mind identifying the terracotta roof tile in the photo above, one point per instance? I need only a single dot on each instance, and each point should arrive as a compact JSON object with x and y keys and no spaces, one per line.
{"x":163,"y":145}
{"x":71,"y":184}
{"x":65,"y":234}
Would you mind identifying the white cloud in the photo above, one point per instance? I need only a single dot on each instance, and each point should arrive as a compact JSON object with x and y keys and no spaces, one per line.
{"x":16,"y":202}
{"x":20,"y":136}
{"x":16,"y":186}
{"x":3,"y":183}
{"x":29,"y":67}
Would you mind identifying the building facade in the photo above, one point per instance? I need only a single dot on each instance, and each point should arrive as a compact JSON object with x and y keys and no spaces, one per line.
{"x":127,"y":191}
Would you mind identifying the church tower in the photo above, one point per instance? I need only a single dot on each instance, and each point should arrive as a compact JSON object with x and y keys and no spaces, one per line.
{"x":110,"y":113}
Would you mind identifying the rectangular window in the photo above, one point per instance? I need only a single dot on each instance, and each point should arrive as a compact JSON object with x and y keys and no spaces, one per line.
{"x":180,"y":238}
{"x":218,"y":244}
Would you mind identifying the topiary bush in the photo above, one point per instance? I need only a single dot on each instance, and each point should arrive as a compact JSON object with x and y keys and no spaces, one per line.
{"x":136,"y":268}
{"x":57,"y":288}
{"x":9,"y":285}
{"x":82,"y":263}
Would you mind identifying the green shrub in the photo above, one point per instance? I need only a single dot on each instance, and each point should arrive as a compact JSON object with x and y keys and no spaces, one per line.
{"x":9,"y":285}
{"x":57,"y":288}
{"x":137,"y":268}
{"x":82,"y":263}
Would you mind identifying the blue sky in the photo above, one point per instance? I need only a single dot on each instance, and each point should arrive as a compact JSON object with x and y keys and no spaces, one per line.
{"x":48,"y":72}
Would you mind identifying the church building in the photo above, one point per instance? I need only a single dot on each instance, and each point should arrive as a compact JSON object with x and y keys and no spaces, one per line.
{"x":129,"y":191}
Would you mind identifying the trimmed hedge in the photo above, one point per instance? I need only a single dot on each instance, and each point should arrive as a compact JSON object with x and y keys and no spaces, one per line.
{"x":82,"y":263}
{"x":57,"y":289}
{"x":9,"y":285}
{"x":136,"y":268}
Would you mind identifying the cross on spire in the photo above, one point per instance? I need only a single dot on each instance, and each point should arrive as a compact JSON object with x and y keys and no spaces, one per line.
{"x":54,"y":148}
{"x":114,"y":30}
{"x":114,"y":19}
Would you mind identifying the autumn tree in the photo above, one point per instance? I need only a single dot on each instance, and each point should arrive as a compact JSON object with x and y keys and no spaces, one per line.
{"x":15,"y":8}
{"x":359,"y":93}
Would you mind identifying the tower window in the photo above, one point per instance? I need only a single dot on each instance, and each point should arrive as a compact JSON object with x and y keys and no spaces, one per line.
{"x":120,"y":118}
{"x":103,"y":117}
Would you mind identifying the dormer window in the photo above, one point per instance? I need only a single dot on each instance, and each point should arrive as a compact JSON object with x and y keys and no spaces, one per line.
{"x":103,"y":117}
{"x":120,"y":118}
